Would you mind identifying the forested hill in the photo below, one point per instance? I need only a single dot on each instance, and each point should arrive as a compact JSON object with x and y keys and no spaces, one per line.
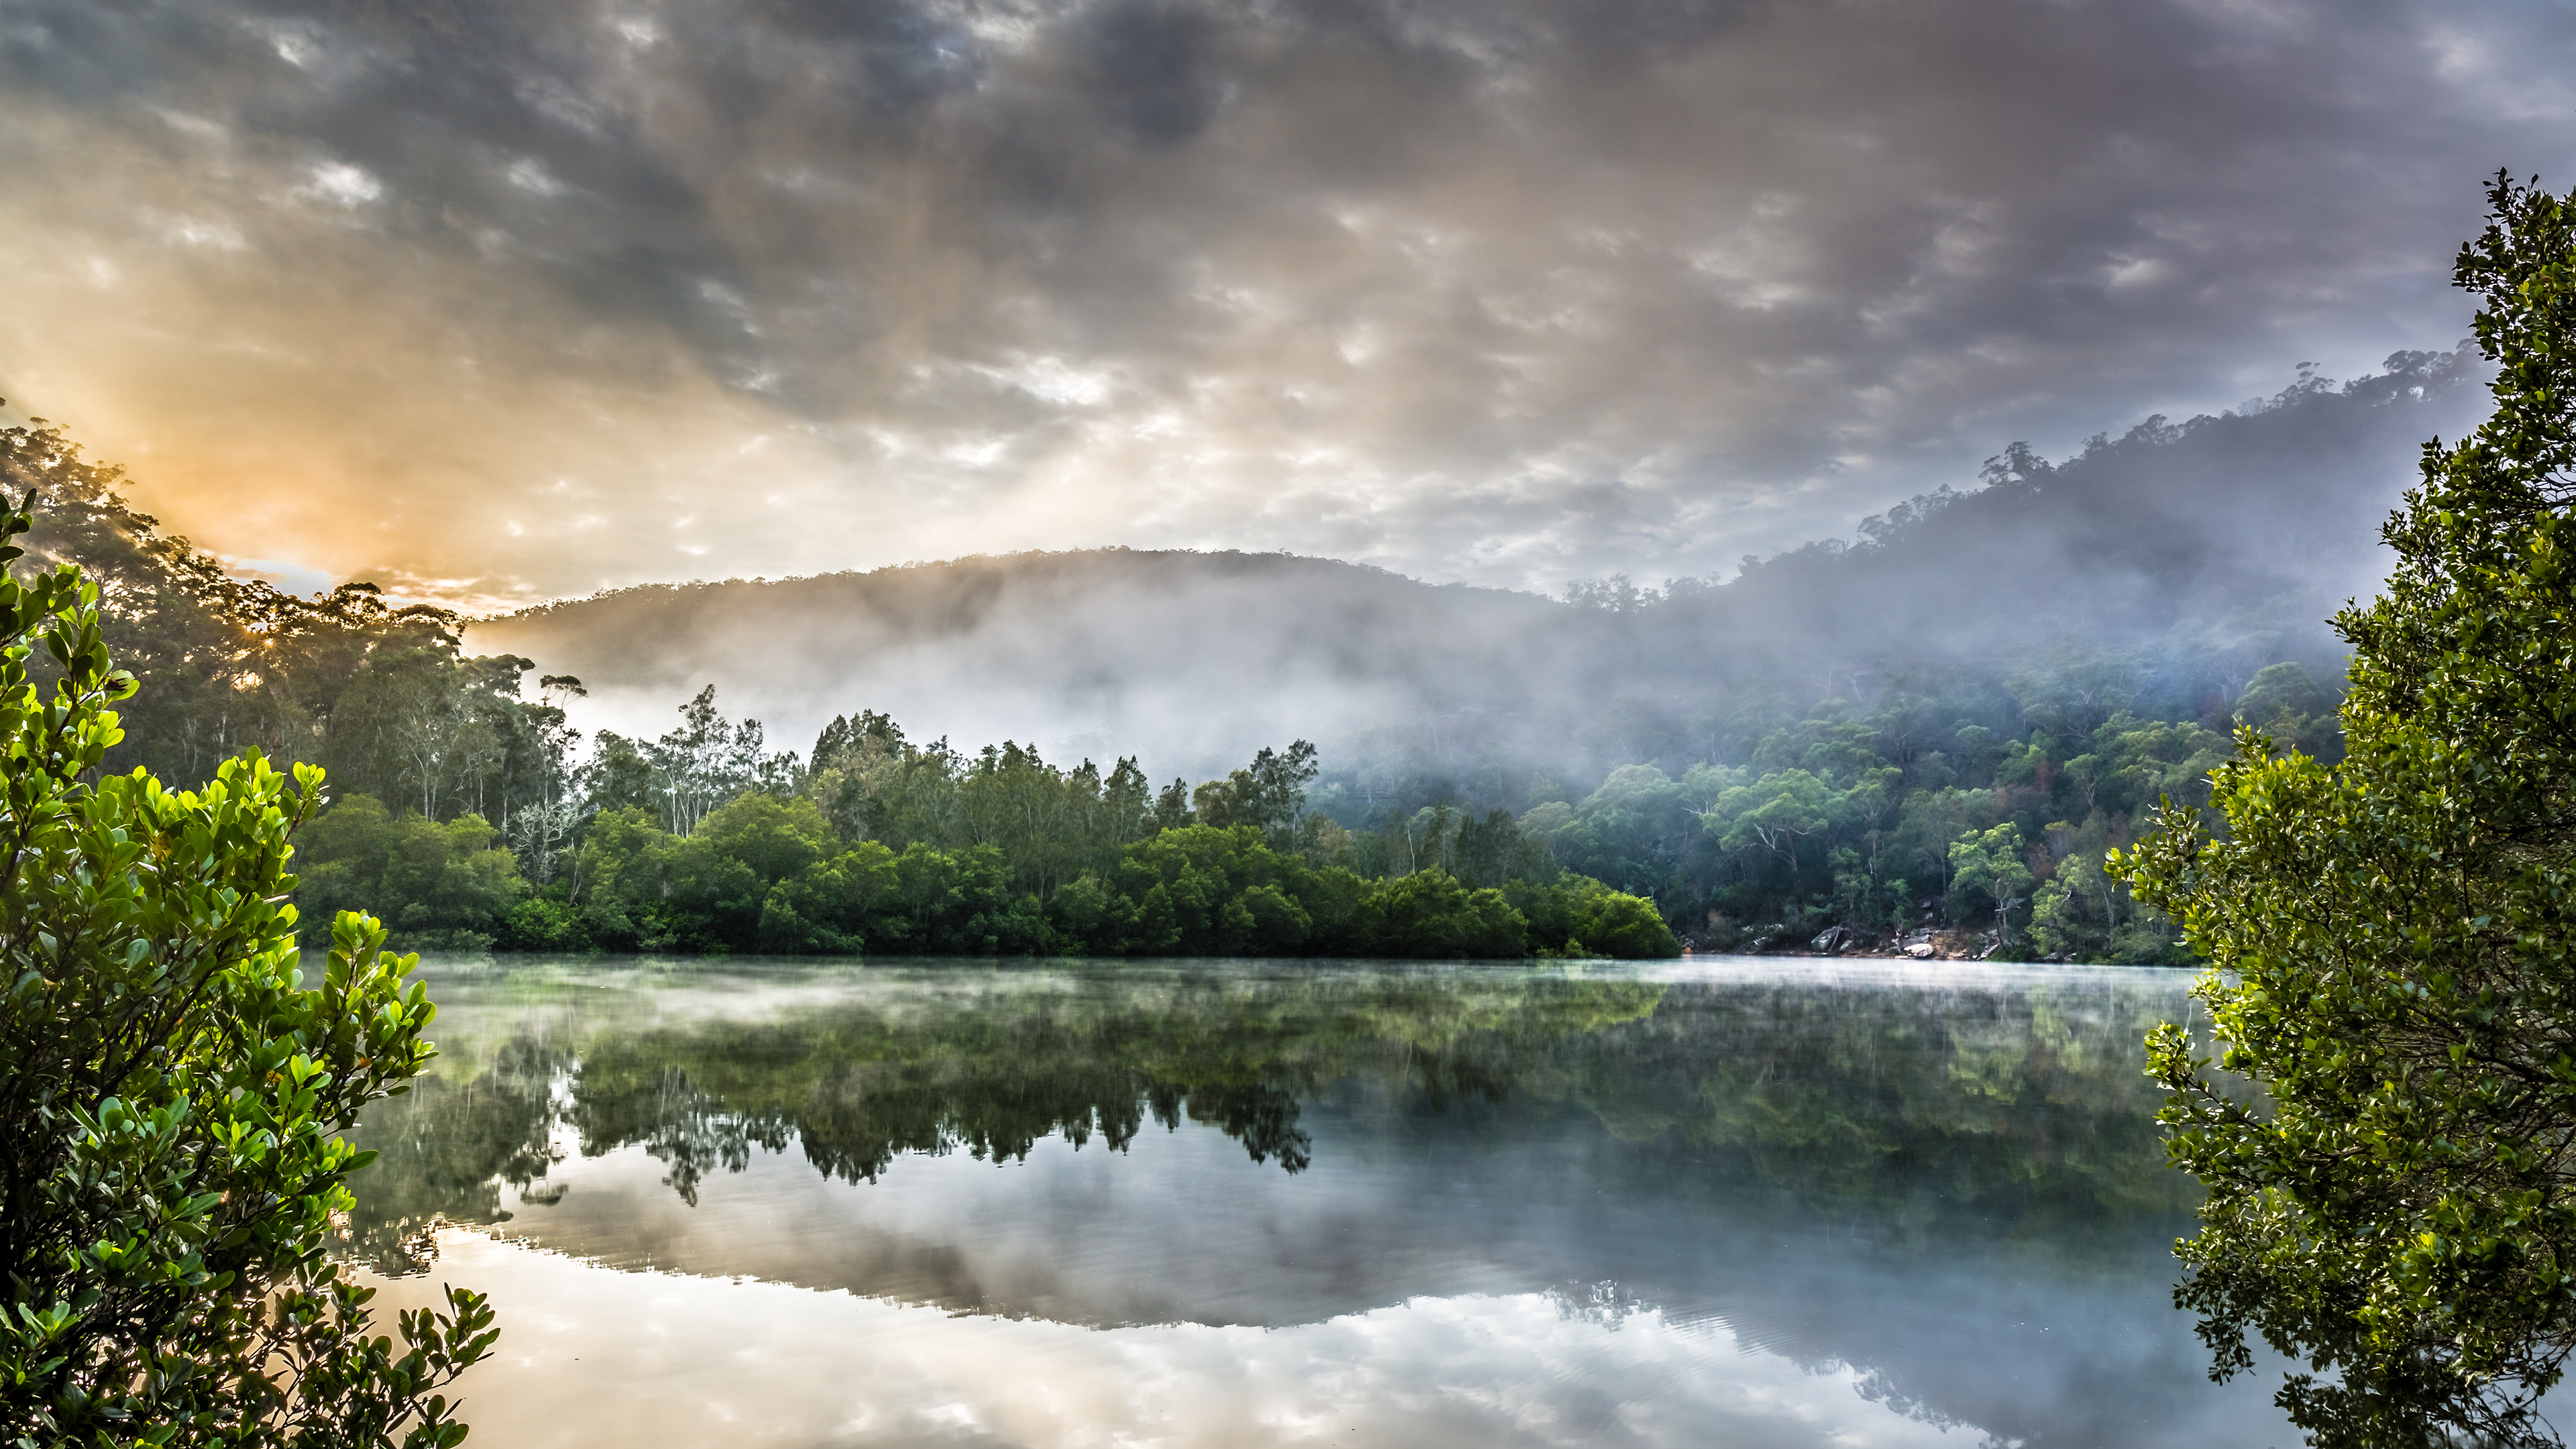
{"x":1183,"y":656}
{"x":2211,"y":548}
{"x":2244,"y":529}
{"x":1942,"y":727}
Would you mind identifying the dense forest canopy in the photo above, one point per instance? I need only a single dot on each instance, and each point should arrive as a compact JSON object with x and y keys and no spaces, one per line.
{"x":380,"y":695}
{"x":1941,"y":727}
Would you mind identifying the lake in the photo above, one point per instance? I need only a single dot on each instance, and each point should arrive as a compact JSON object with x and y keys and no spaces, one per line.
{"x":1731,"y":1201}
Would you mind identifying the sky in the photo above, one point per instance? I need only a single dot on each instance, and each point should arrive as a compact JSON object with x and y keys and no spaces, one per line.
{"x":492,"y":302}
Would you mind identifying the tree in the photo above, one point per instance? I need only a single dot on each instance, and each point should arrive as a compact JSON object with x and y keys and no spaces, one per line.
{"x":443,"y":885}
{"x":691,"y":763}
{"x":1774,"y":814}
{"x":1172,"y":807}
{"x":1991,"y":863}
{"x":1270,"y":795}
{"x":618,"y":777}
{"x":2283,"y":701}
{"x":2393,"y":943}
{"x":171,"y":1093}
{"x":2073,"y":691}
{"x":376,"y":692}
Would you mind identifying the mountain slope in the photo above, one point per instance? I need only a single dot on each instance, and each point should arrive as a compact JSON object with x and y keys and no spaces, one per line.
{"x":2219,"y":545}
{"x":1187,"y":656}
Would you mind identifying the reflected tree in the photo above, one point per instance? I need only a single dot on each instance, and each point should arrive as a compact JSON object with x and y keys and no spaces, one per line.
{"x":446,"y":1150}
{"x":1918,"y":1110}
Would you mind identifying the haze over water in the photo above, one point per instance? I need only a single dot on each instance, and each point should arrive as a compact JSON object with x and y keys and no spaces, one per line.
{"x":1722,"y":1201}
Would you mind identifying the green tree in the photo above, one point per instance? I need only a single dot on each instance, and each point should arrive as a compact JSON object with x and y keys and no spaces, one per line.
{"x":1428,"y":915}
{"x":618,"y":777}
{"x":1581,"y":917}
{"x":1270,"y":795}
{"x":2393,"y":944}
{"x":1989,"y":866}
{"x":378,"y":694}
{"x":445,"y":885}
{"x":1204,"y":891}
{"x":2285,"y":702}
{"x":171,"y":1093}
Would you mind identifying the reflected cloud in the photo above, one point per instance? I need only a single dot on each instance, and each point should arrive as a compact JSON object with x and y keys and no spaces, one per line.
{"x":664,"y":1360}
{"x":1938,"y":1188}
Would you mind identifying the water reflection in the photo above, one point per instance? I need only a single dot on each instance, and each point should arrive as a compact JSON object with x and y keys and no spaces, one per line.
{"x":1949,"y":1183}
{"x":928,"y":1062}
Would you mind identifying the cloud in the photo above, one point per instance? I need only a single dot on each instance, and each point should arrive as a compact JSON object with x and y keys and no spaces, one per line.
{"x":343,"y":184}
{"x":1505,"y":292}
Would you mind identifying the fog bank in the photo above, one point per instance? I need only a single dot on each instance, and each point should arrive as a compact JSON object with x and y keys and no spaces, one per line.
{"x":2226,"y":540}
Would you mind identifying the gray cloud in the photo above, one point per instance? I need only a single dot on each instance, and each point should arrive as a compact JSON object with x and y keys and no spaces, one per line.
{"x":502,"y":301}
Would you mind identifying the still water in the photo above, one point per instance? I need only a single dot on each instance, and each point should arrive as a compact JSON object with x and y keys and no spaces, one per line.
{"x":1732,"y":1201}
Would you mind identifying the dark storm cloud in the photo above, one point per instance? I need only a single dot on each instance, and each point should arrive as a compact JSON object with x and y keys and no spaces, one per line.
{"x":1153,"y":66}
{"x":507,"y":300}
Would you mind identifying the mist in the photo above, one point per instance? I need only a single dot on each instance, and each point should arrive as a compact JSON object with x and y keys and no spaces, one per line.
{"x":2229,"y":538}
{"x":1180,"y":657}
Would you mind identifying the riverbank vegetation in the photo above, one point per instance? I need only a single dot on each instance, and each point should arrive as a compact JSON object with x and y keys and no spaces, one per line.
{"x":1975,"y":801}
{"x":880,"y":846}
{"x":173,"y":1090}
{"x":1845,"y":829}
{"x":1862,"y":828}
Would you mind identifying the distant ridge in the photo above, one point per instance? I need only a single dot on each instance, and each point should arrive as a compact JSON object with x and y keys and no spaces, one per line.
{"x":1016,"y":558}
{"x":1183,"y":653}
{"x":2227,"y":539}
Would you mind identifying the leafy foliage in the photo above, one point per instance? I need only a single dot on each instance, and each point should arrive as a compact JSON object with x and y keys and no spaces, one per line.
{"x":1745,"y":822}
{"x":1901,"y":819}
{"x":381,"y":696}
{"x":171,"y":1092}
{"x":444,"y":885}
{"x":2391,"y":943}
{"x":769,"y":874}
{"x":885,"y":846}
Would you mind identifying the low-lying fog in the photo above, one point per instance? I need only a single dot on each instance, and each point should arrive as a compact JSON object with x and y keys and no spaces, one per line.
{"x":2239,"y":532}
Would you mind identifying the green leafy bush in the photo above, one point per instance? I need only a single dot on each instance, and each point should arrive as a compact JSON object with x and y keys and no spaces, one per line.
{"x":172,"y":1089}
{"x":1428,"y":914}
{"x":1578,"y":916}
